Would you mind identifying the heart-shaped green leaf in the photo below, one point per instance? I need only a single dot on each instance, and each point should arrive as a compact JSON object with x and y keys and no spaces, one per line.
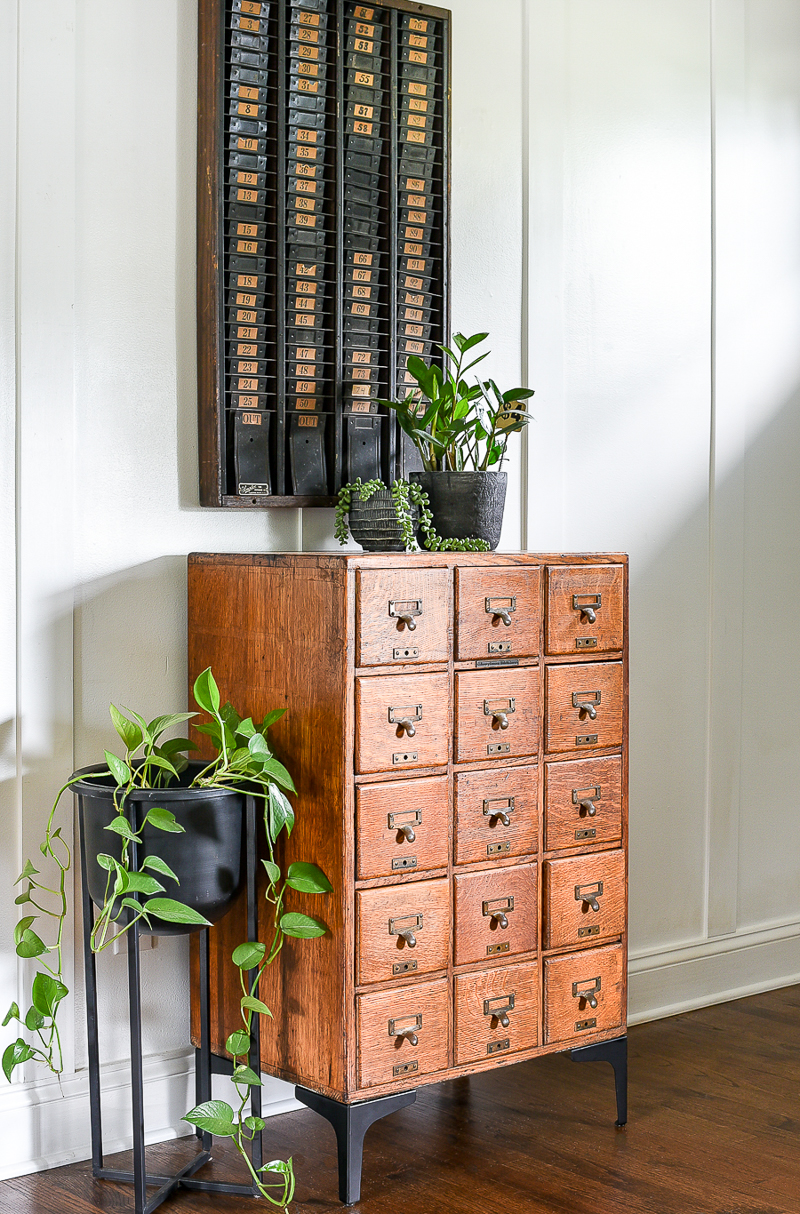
{"x":121,"y":826}
{"x":247,"y":956}
{"x":278,"y":772}
{"x":141,"y":883}
{"x":273,"y":871}
{"x":30,"y":945}
{"x":214,"y":1117}
{"x":22,"y":927}
{"x":129,"y":731}
{"x":27,"y":872}
{"x":11,"y":1014}
{"x":256,"y":1124}
{"x":308,"y":878}
{"x":33,"y":1019}
{"x":15,"y":1054}
{"x":251,"y":1004}
{"x":246,"y":1077}
{"x":119,"y":770}
{"x":302,"y":926}
{"x":280,"y":814}
{"x":175,"y":912}
{"x":164,"y":819}
{"x":271,"y":718}
{"x":206,"y":692}
{"x":46,"y":993}
{"x":238,"y":1044}
{"x":157,"y":865}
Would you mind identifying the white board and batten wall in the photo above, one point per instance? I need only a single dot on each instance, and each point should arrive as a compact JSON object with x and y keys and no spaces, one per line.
{"x":626,"y":193}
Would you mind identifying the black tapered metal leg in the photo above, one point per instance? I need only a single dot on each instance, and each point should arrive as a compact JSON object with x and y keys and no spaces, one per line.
{"x":137,"y":1078}
{"x":202,"y":1076}
{"x":615,"y":1052}
{"x":350,"y":1123}
{"x":92,"y":1029}
{"x":251,"y":861}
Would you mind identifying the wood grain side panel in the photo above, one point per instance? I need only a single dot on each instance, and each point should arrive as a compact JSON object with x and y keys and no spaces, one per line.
{"x":570,"y":981}
{"x":384,"y":811}
{"x":277,"y":638}
{"x":483,"y":999}
{"x":569,"y":886}
{"x":421,"y":908}
{"x":478,"y":733}
{"x":481,"y":800}
{"x":572,"y":789}
{"x":383,"y":1057}
{"x":570,"y":587}
{"x":479,"y":631}
{"x":569,"y":725}
{"x":425,"y":595}
{"x":477,"y":930}
{"x":383,"y":745}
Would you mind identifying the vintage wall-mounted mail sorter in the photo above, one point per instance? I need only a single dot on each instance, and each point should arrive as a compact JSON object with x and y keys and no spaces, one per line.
{"x":323,"y":239}
{"x":457,"y":730}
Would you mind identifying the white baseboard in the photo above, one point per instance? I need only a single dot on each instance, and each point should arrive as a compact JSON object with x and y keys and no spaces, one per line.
{"x":43,"y":1126}
{"x":668,"y":981}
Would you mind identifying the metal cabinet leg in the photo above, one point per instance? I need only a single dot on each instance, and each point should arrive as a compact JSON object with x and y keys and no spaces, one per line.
{"x":350,"y":1123}
{"x":615,"y":1052}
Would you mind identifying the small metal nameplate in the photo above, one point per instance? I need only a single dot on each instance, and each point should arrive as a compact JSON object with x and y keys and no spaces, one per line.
{"x":400,"y":654}
{"x":491,"y":949}
{"x":405,"y":756}
{"x":499,"y":647}
{"x":494,"y":1047}
{"x":498,"y":748}
{"x":404,"y":862}
{"x":405,"y":1068}
{"x":589,"y":833}
{"x":582,"y":1025}
{"x":586,"y":739}
{"x":586,"y":642}
{"x":497,"y":849}
{"x":252,"y":489}
{"x":404,"y":967}
{"x":589,"y":931}
{"x":482,"y":663}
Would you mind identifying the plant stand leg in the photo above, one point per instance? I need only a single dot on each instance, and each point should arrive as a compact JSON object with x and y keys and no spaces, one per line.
{"x":92,"y":1033}
{"x":202,"y":1073}
{"x":615,"y":1052}
{"x":137,"y":1082}
{"x":350,"y":1123}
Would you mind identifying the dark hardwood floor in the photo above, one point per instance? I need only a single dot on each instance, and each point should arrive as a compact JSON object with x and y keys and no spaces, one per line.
{"x":714,"y":1129}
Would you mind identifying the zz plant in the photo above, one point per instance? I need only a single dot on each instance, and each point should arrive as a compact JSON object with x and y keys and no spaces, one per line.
{"x":243,"y":762}
{"x":404,"y":495}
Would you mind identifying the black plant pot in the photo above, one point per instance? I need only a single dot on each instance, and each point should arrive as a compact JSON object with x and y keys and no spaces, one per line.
{"x":207,"y":858}
{"x":466,"y":505}
{"x":373,"y":524}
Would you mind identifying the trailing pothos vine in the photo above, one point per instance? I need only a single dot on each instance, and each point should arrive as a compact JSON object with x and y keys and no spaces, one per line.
{"x":243,"y":762}
{"x":405,"y":494}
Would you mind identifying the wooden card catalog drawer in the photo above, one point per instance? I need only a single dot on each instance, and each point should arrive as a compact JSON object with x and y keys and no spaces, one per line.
{"x":402,"y":1033}
{"x":402,"y":930}
{"x":495,"y":914}
{"x":497,"y":612}
{"x":585,"y":899}
{"x":402,"y":721}
{"x":496,"y":1012}
{"x":403,"y":615}
{"x":584,"y":993}
{"x":496,"y":814}
{"x":497,"y":713}
{"x":584,"y":608}
{"x":583,"y":802}
{"x":584,"y":706}
{"x":402,"y":826}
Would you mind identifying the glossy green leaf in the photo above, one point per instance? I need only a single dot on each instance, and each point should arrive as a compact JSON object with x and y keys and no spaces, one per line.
{"x":119,"y":770}
{"x":33,"y":1019}
{"x":30,"y":945}
{"x":271,"y":718}
{"x":279,"y":773}
{"x":129,"y":731}
{"x":206,"y":692}
{"x":248,"y":955}
{"x":238,"y":1044}
{"x":245,"y":1076}
{"x":46,"y":993}
{"x":157,"y":865}
{"x":22,"y":927}
{"x":141,"y":883}
{"x":137,"y":908}
{"x":121,"y":826}
{"x":230,"y":716}
{"x":164,"y":819}
{"x":302,"y":926}
{"x":214,"y":1117}
{"x":174,"y":746}
{"x":11,"y":1014}
{"x":163,"y":764}
{"x":246,"y":728}
{"x":256,"y":1124}
{"x":175,"y":912}
{"x":308,"y":878}
{"x":160,"y":724}
{"x":257,"y":745}
{"x":105,"y":861}
{"x":251,"y":1004}
{"x":18,"y":1052}
{"x":27,"y":872}
{"x":273,"y":871}
{"x":24,"y":897}
{"x":282,"y":1167}
{"x":280,"y":814}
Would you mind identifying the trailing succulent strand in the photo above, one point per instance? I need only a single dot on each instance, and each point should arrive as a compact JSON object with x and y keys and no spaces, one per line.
{"x":243,"y":762}
{"x":405,"y":494}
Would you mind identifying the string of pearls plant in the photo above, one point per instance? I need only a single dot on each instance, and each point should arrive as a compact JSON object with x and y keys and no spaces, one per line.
{"x":405,"y":494}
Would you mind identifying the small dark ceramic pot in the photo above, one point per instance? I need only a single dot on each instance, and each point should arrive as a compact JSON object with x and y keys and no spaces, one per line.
{"x":207,"y":858}
{"x":466,"y":505}
{"x":373,"y":524}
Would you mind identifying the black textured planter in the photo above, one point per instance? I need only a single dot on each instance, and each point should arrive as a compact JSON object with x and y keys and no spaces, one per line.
{"x":466,"y":505}
{"x":207,"y":858}
{"x":373,"y":524}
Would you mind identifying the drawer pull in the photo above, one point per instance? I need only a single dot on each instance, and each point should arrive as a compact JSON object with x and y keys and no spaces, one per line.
{"x":500,"y":710}
{"x":589,"y":894}
{"x":501,"y":608}
{"x":498,"y":1008}
{"x":586,"y":702}
{"x":405,"y":926}
{"x":587,"y":991}
{"x":585,"y":798}
{"x":498,"y":808}
{"x":405,"y":830}
{"x":496,"y":911}
{"x":588,"y":605}
{"x":409,"y":1031}
{"x":405,"y":721}
{"x":404,"y":612}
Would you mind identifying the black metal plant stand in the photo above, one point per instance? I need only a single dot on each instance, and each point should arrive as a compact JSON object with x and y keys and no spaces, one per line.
{"x":206,"y":1063}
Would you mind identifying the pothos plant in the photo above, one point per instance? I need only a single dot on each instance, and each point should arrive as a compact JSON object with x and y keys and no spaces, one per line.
{"x":243,"y":762}
{"x":404,"y":495}
{"x":458,"y":426}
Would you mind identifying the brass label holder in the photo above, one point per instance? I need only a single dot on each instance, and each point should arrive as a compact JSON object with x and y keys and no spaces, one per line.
{"x":405,"y":611}
{"x":498,"y":807}
{"x":588,"y":605}
{"x":404,"y":926}
{"x":587,"y":990}
{"x":404,"y":1026}
{"x":501,"y":607}
{"x":405,"y":817}
{"x":590,"y":894}
{"x":498,"y":1008}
